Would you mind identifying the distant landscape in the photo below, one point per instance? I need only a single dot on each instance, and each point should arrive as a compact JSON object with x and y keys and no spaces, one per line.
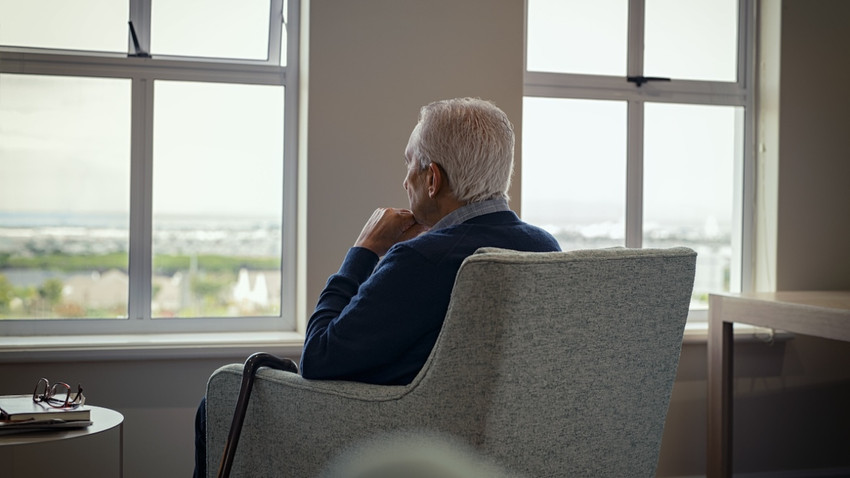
{"x":54,"y":266}
{"x":65,"y":266}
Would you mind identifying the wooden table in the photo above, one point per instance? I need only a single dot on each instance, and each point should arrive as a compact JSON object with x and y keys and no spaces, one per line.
{"x":88,"y":451}
{"x":817,"y":313}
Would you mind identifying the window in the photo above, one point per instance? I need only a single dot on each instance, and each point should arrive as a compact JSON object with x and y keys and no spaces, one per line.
{"x":147,"y":157}
{"x":637,"y":129}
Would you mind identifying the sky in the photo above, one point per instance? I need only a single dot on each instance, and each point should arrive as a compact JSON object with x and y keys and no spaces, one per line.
{"x":217,"y":148}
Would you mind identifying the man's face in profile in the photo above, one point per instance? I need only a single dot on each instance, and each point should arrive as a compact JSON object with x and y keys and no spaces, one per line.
{"x":415,"y":185}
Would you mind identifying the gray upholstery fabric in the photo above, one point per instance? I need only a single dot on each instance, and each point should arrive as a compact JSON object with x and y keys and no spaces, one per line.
{"x":549,"y":364}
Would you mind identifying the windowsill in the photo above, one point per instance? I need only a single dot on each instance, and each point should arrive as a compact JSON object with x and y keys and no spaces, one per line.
{"x":697,"y":333}
{"x":148,"y":346}
{"x":231,"y":345}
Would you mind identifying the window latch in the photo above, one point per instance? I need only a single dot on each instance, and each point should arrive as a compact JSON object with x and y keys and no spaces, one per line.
{"x":137,"y":50}
{"x":640,"y":80}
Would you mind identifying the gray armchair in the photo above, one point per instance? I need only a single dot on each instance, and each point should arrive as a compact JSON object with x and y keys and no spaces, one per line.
{"x":548,"y":364}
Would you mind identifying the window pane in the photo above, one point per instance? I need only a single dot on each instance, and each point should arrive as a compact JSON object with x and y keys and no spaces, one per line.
{"x":64,"y":196}
{"x":688,"y":187}
{"x":217,"y":199}
{"x":692,"y":40}
{"x":577,"y":36}
{"x":574,"y":170}
{"x":97,"y":25}
{"x":204,"y":28}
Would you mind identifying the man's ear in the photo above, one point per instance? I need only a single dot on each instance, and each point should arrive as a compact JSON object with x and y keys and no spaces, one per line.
{"x":435,"y":180}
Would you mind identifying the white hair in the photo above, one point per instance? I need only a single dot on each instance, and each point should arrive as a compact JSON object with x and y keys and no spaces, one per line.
{"x":473,"y":141}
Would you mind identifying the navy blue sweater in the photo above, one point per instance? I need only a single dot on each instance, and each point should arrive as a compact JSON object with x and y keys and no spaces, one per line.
{"x":379,"y":324}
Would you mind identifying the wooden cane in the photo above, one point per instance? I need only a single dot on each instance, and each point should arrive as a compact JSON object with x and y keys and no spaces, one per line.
{"x":252,"y":364}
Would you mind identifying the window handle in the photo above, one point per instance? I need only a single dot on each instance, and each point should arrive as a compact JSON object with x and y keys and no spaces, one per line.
{"x":640,"y":80}
{"x":137,"y":49}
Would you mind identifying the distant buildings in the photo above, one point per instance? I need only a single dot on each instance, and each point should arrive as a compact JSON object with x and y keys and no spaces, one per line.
{"x":105,"y":291}
{"x":253,"y":292}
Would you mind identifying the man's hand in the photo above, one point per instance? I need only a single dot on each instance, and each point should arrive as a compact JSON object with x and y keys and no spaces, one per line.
{"x":386,"y":227}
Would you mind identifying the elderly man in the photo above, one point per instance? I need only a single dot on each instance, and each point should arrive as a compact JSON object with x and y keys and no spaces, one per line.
{"x":378,"y":319}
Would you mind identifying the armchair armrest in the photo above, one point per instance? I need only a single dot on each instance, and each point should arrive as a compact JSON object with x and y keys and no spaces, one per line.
{"x":306,"y":419}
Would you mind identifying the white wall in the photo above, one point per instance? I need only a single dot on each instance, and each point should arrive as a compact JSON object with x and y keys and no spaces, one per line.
{"x":813,"y":217}
{"x":373,"y":64}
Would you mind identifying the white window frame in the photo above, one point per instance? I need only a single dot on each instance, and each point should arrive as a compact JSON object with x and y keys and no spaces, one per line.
{"x":142,"y":72}
{"x":739,"y":93}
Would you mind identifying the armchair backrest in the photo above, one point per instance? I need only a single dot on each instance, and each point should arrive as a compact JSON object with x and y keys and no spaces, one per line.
{"x":567,"y":360}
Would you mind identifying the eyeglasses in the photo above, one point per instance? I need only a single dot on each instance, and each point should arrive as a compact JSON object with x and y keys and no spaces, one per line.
{"x":57,"y":395}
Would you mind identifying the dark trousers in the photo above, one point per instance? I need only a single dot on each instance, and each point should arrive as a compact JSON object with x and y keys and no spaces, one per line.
{"x":201,"y":440}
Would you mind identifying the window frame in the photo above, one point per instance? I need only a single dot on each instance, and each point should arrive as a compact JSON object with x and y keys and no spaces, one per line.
{"x":142,"y":73}
{"x":739,"y":93}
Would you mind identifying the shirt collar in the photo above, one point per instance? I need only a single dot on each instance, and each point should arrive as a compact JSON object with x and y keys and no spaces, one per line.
{"x":471,"y":210}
